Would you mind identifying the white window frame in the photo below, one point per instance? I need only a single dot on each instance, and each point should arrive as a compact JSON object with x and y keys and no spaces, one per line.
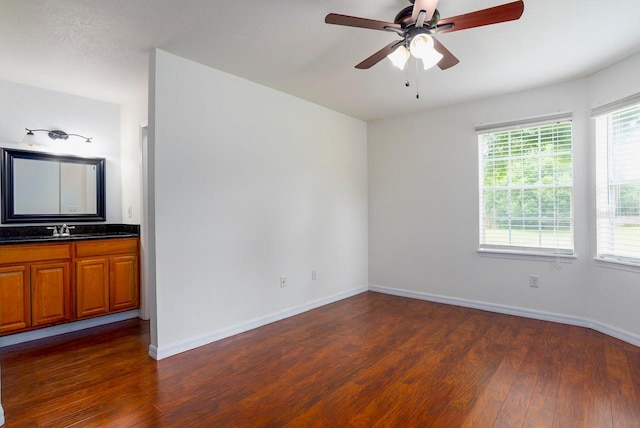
{"x":515,"y":251}
{"x":605,"y":208}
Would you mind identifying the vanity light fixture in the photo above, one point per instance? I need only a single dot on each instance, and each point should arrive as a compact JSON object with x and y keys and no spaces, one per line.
{"x":57,"y":134}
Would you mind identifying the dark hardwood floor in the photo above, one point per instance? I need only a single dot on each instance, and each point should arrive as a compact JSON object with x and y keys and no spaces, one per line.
{"x":370,"y":360}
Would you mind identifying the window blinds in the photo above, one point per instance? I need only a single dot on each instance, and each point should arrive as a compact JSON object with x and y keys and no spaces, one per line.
{"x":618,"y":183}
{"x":526,"y":187}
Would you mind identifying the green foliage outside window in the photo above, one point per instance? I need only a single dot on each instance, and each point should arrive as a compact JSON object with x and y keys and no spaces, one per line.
{"x":527,"y":181}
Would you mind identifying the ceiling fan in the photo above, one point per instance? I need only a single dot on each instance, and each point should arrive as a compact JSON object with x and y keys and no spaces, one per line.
{"x":417,"y":24}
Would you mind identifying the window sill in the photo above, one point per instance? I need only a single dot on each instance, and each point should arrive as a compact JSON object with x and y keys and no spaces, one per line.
{"x":617,"y":264}
{"x":526,"y":255}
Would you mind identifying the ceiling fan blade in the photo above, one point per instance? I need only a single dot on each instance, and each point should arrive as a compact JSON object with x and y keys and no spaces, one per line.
{"x":428,"y":6}
{"x":380,"y":55}
{"x":492,"y":15}
{"x":354,"y":21}
{"x":448,"y":59}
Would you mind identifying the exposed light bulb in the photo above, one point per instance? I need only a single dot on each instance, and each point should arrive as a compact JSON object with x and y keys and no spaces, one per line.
{"x":399,"y":57}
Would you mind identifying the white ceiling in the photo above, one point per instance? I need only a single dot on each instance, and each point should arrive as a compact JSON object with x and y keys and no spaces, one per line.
{"x":99,"y":48}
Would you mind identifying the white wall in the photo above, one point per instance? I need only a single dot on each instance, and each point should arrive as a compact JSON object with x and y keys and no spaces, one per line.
{"x":23,"y":106}
{"x":133,"y":114}
{"x":423,"y":212}
{"x":250,"y":184}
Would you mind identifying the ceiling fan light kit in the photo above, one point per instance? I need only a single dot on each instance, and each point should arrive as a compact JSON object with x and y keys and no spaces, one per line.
{"x":431,"y":60}
{"x":418,"y":24}
{"x":399,"y":57}
{"x":423,"y":47}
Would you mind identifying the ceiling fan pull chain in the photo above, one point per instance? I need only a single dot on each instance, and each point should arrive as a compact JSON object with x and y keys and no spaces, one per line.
{"x":417,"y":81}
{"x":407,"y":82}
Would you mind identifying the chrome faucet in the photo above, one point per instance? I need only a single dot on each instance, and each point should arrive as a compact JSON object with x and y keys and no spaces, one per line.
{"x":55,"y":231}
{"x":64,"y":230}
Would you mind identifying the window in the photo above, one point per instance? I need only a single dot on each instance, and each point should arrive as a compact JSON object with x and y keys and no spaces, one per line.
{"x":618,"y":183}
{"x":526,"y":187}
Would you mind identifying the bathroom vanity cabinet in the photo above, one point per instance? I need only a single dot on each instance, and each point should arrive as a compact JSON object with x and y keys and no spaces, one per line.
{"x":34,"y":286}
{"x":43,"y":284}
{"x":106,"y":276}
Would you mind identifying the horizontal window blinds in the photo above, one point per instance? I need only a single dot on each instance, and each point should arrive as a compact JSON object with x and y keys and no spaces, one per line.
{"x":526,"y":188}
{"x":618,"y":184}
{"x":616,"y":105}
{"x":525,"y":123}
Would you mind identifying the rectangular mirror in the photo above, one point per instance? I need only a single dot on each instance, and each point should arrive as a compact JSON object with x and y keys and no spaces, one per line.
{"x":43,"y":187}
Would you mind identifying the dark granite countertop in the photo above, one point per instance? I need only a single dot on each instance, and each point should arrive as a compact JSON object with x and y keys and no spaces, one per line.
{"x":40,"y":234}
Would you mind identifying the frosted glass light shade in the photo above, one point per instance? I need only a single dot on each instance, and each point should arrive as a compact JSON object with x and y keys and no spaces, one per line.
{"x":30,"y":140}
{"x":421,"y":45}
{"x":399,"y":57}
{"x":431,"y":59}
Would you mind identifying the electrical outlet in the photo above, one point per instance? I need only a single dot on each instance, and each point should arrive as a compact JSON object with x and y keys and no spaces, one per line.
{"x":534,"y":281}
{"x":283,"y":281}
{"x":314,"y":274}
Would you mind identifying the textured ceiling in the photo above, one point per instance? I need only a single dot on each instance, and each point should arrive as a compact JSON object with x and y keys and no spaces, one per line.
{"x":99,"y":48}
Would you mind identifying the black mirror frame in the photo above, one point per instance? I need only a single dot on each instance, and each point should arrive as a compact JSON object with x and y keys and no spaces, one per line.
{"x":8,"y":209}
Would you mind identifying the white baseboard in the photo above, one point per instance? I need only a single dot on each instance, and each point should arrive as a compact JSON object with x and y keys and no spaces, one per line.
{"x":28,"y":336}
{"x":616,"y":332}
{"x":609,"y":330}
{"x":153,"y":352}
{"x":161,"y":352}
{"x":1,"y":415}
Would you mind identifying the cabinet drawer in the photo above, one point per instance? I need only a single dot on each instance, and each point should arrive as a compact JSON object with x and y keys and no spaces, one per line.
{"x":33,"y":253}
{"x":105,"y":247}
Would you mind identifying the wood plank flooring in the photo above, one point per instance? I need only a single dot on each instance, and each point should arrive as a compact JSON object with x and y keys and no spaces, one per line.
{"x":368,"y":361}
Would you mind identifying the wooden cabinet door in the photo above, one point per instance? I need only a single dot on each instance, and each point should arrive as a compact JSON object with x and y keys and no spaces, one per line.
{"x":50,"y":293}
{"x":123,"y":283}
{"x":92,"y":287}
{"x":15,"y":298}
